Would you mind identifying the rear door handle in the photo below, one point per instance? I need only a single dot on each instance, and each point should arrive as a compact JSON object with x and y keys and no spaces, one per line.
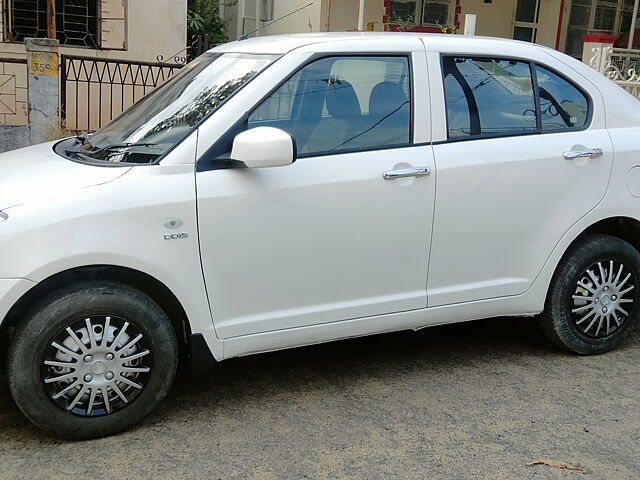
{"x":587,"y":153}
{"x":406,"y":172}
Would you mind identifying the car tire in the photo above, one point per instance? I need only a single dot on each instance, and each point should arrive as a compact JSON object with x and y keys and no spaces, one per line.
{"x":91,"y":359}
{"x":593,"y":299}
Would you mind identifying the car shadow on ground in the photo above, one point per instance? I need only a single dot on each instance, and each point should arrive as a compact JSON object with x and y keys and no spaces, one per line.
{"x":343,"y":366}
{"x":339,"y":366}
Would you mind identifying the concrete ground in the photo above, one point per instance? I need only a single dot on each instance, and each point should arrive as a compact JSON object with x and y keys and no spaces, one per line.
{"x":476,"y":400}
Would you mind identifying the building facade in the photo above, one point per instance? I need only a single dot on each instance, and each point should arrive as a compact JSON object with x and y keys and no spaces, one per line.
{"x":558,"y":24}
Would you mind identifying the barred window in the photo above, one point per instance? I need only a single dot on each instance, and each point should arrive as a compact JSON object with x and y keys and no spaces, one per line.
{"x":76,"y":21}
{"x":424,"y":12}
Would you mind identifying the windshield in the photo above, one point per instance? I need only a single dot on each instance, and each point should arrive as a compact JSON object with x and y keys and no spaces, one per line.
{"x":167,"y":115}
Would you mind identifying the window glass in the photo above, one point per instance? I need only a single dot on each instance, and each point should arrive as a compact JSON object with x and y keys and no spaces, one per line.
{"x":488,"y":97}
{"x":562,"y":105}
{"x":342,"y":103}
{"x":403,"y":11}
{"x":605,"y":17}
{"x":435,"y":12}
{"x":526,"y":11}
{"x":526,"y":34}
{"x":76,"y":21}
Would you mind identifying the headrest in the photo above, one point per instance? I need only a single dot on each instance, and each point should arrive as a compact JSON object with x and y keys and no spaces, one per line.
{"x":342,"y":101}
{"x":385,"y":98}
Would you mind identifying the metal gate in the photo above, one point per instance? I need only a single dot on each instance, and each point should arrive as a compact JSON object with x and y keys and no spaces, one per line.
{"x":96,"y":90}
{"x":622,"y":65}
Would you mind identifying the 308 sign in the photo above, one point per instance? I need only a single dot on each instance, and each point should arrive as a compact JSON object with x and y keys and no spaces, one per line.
{"x":43,"y":63}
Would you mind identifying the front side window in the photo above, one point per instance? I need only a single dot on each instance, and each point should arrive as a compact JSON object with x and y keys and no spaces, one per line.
{"x":562,"y":105}
{"x":342,"y":103}
{"x":488,"y":97}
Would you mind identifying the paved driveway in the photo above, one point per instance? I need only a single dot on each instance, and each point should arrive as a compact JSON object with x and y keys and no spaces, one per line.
{"x":478,"y":400}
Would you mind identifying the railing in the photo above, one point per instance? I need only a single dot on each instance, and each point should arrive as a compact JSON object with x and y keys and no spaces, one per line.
{"x":14,"y":102}
{"x":94,"y":91}
{"x":621,"y":65}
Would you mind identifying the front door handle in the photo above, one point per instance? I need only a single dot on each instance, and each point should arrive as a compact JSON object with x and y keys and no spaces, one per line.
{"x":406,"y":172}
{"x":587,"y":153}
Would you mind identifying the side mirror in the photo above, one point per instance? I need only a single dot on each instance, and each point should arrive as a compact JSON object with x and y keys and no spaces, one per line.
{"x":264,"y":147}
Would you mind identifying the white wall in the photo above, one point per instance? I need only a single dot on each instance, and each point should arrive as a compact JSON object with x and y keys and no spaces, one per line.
{"x":152,"y":28}
{"x":494,"y":19}
{"x":306,"y":20}
{"x":341,"y":15}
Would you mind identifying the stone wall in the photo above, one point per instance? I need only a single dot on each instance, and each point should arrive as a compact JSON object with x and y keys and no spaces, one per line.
{"x":13,"y":137}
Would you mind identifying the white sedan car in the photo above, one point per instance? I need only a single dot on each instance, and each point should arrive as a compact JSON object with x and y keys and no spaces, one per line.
{"x":292,"y":190}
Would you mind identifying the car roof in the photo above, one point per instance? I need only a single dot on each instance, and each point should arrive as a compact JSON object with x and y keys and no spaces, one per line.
{"x":281,"y":44}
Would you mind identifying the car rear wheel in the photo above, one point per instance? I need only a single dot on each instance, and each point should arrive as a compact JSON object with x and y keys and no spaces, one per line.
{"x":593,"y":301}
{"x":91,"y":360}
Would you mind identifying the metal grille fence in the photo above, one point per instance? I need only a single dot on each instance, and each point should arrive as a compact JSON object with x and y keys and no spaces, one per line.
{"x":13,"y":92}
{"x":94,"y":91}
{"x":618,"y":64}
{"x":624,"y":69}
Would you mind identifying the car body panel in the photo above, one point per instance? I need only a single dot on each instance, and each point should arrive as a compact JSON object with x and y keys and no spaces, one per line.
{"x":507,"y":200}
{"x":11,"y":290}
{"x":118,"y":224}
{"x":28,"y":174}
{"x":293,"y":256}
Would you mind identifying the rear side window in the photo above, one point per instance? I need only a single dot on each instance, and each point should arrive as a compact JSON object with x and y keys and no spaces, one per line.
{"x":562,"y":105}
{"x":342,"y":103}
{"x":487,"y":96}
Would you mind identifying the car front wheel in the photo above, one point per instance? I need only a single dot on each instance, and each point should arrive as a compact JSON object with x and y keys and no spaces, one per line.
{"x":91,"y":360}
{"x":593,"y":300}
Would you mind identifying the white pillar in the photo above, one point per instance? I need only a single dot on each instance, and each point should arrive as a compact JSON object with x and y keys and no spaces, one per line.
{"x":258,"y":17}
{"x":361,"y":15}
{"x":634,"y":18}
{"x":240,"y":19}
{"x":221,"y":9}
{"x":470,"y":24}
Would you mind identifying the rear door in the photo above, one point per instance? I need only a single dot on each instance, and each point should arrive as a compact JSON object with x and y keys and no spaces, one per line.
{"x":526,"y":155}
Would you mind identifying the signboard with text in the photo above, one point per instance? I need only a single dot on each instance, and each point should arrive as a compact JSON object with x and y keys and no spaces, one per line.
{"x":43,"y":63}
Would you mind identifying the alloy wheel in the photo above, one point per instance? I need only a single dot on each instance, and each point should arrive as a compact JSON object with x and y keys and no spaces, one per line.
{"x":96,"y":366}
{"x":604,"y":298}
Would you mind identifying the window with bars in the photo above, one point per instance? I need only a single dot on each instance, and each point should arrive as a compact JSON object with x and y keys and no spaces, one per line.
{"x":424,"y":12}
{"x":76,"y":21}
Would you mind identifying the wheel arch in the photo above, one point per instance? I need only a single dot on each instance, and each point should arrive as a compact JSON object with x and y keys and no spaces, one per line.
{"x":144,"y":282}
{"x":623,"y":227}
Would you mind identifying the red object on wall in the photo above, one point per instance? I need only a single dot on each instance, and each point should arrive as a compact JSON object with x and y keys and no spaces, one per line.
{"x":599,"y":37}
{"x":624,"y":40}
{"x":560,"y":18}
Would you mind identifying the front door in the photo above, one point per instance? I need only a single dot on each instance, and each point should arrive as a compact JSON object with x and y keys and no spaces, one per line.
{"x":519,"y":169}
{"x":328,"y":238}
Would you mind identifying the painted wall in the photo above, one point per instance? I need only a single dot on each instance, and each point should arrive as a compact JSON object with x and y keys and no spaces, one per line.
{"x":341,"y":15}
{"x":307,"y":20}
{"x":548,"y":22}
{"x":148,"y":28}
{"x":494,"y":19}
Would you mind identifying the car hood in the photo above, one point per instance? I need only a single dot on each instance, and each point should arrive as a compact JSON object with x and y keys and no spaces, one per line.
{"x":38,"y":172}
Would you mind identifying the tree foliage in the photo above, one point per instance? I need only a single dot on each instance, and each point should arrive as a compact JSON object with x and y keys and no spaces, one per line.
{"x":203,"y":18}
